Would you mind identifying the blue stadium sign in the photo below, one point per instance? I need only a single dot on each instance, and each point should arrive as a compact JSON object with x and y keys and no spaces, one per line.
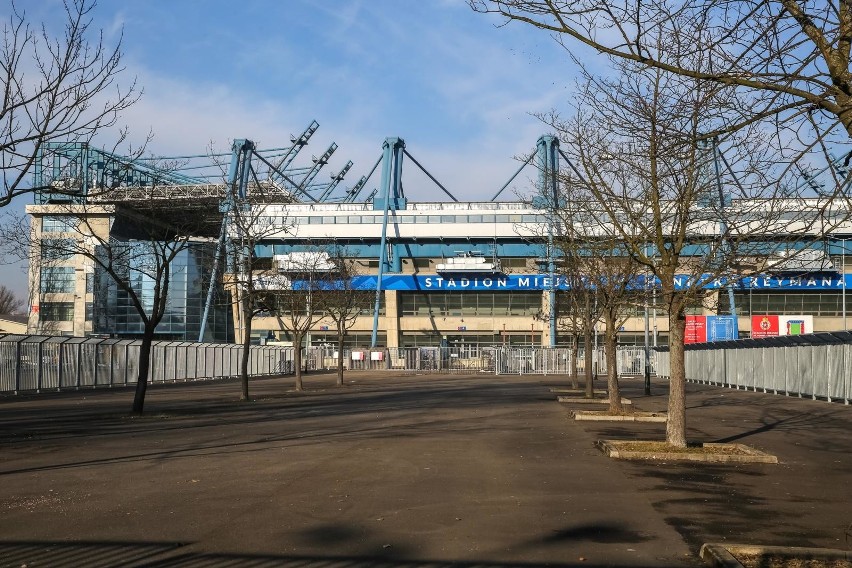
{"x":540,"y":282}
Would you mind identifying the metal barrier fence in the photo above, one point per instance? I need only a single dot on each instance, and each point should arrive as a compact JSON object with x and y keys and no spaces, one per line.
{"x":629,"y":361}
{"x":534,"y":361}
{"x":816,"y":371}
{"x":470,"y":359}
{"x":35,"y":363}
{"x":498,"y":360}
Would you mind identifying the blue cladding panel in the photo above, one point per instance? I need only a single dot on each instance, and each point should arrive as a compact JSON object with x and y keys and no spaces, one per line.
{"x":541,"y":282}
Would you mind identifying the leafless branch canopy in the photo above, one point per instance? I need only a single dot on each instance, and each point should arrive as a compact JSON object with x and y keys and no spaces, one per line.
{"x":55,"y":88}
{"x":792,"y":56}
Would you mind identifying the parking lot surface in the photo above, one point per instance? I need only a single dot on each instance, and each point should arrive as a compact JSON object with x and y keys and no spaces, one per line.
{"x":404,"y":470}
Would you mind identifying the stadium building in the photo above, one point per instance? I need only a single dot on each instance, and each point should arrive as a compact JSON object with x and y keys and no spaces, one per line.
{"x":446,"y":272}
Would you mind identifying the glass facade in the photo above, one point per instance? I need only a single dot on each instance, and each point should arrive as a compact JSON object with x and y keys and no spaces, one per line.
{"x":57,"y":280}
{"x":115,"y":313}
{"x":56,"y":311}
{"x":351,"y":340}
{"x":470,"y":304}
{"x":823,"y":303}
{"x":58,"y":224}
{"x":57,"y":249}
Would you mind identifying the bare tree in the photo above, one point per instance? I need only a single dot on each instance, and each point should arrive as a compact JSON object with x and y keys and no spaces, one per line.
{"x":791,"y":56}
{"x":297,"y":304}
{"x":55,"y":89}
{"x":343,"y":302}
{"x":252,"y":281}
{"x":9,"y":302}
{"x":604,"y":273}
{"x":579,"y":312}
{"x":133,"y":253}
{"x":634,"y":143}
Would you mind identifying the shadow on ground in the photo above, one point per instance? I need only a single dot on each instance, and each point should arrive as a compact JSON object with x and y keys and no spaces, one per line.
{"x":146,"y":554}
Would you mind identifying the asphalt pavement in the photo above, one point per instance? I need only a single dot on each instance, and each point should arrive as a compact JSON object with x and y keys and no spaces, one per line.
{"x":405,"y":470}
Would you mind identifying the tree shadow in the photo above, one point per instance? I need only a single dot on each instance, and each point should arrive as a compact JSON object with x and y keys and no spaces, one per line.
{"x":148,"y":554}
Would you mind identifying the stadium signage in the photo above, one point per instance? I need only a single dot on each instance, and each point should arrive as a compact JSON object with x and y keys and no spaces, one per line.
{"x":541,"y":282}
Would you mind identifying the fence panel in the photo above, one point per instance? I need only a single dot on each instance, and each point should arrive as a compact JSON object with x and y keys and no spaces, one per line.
{"x":819,"y":369}
{"x":34,"y":363}
{"x":816,"y":370}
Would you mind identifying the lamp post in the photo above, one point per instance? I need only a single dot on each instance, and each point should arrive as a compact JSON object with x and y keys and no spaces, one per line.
{"x":647,"y":370}
{"x":843,"y":281}
{"x":647,"y":345}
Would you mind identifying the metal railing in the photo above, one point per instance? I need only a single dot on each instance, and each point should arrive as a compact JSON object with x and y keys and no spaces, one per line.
{"x":37,"y":363}
{"x":34,"y":363}
{"x":500,"y":360}
{"x":470,"y":359}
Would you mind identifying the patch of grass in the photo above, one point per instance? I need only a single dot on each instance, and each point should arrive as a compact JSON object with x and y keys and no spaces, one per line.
{"x":774,"y":560}
{"x":691,"y":448}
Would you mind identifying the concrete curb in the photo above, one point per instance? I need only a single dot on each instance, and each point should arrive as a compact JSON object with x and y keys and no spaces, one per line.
{"x":577,"y":392}
{"x":601,"y":416}
{"x":721,"y":556}
{"x":581,"y":400}
{"x":747,"y":455}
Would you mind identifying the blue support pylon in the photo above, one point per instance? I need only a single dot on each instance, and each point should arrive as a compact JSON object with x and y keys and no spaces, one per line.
{"x":548,"y":178}
{"x":237,"y":191}
{"x":391,"y":199}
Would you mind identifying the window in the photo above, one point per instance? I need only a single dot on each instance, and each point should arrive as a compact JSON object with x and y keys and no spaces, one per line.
{"x":470,"y":303}
{"x":513,"y":262}
{"x":57,"y":249}
{"x":826,"y":303}
{"x":57,"y":280}
{"x":57,"y":311}
{"x":54,"y":224}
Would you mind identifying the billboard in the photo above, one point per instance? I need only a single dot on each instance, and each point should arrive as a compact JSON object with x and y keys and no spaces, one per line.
{"x":701,"y":329}
{"x":773,"y":326}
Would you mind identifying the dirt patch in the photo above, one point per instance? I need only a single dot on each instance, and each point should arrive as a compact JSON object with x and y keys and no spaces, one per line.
{"x":691,"y":448}
{"x":661,"y":451}
{"x":782,"y":561}
{"x":754,"y":556}
{"x":627,"y":415}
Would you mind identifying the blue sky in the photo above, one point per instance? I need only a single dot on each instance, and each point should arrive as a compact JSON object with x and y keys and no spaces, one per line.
{"x":456,"y":87}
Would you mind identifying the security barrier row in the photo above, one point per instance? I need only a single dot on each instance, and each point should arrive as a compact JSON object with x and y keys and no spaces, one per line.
{"x":473,"y":359}
{"x":32,"y":363}
{"x":37,"y":363}
{"x":815,"y":371}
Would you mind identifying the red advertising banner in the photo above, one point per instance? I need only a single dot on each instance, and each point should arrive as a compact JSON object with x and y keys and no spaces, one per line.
{"x":764,"y":326}
{"x":696,"y":329}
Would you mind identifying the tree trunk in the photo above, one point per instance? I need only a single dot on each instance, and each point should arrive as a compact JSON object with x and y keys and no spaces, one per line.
{"x":575,"y":354}
{"x":339,"y":359}
{"x":297,"y":360}
{"x":588,"y":345}
{"x":610,"y":348}
{"x":144,"y":367}
{"x":244,"y":363}
{"x":676,"y":424}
